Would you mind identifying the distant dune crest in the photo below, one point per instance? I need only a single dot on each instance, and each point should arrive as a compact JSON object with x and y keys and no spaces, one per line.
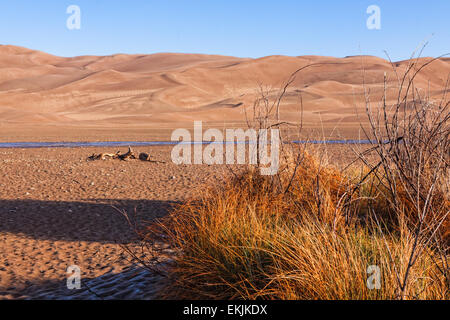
{"x":37,"y":87}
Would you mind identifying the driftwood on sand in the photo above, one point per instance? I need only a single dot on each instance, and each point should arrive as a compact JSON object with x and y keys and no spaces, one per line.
{"x":144,"y":156}
{"x":130,"y":155}
{"x":103,"y":156}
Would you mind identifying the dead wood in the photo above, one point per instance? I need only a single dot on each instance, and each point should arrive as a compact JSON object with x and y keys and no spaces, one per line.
{"x":126,"y":156}
{"x":144,"y":156}
{"x":101,"y":156}
{"x":130,"y":155}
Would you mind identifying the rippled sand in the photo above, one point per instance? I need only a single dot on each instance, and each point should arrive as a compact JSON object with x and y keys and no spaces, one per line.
{"x":56,"y":210}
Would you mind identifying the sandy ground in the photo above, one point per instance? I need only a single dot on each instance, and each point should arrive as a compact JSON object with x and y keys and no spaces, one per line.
{"x":56,"y":211}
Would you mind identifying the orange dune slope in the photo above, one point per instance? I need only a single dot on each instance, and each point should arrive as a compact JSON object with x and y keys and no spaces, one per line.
{"x":166,"y":89}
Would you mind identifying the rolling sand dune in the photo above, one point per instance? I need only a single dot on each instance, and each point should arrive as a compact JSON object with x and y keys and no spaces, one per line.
{"x":44,"y":97}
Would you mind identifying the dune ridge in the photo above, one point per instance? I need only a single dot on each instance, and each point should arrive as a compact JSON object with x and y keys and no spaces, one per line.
{"x":168,"y":89}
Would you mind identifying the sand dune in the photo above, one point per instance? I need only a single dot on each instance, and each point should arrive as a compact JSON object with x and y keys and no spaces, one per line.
{"x":39,"y":91}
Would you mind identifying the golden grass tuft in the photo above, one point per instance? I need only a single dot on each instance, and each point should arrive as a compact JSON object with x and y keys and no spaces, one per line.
{"x":256,"y":238}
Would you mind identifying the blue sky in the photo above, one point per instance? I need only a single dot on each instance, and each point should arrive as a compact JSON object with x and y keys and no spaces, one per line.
{"x":245,"y":28}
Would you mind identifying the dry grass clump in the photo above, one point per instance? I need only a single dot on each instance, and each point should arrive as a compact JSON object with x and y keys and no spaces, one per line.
{"x":256,"y":238}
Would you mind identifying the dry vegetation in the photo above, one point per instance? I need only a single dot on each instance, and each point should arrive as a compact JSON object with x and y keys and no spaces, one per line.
{"x":313,"y":230}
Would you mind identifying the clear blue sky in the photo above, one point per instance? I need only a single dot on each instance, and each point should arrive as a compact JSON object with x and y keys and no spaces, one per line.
{"x":244,"y":28}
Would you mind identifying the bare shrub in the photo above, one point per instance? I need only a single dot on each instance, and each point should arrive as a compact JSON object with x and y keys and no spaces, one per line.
{"x":411,"y":139}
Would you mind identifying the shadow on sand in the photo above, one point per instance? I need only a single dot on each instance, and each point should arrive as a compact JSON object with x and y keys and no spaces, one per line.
{"x":93,"y":220}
